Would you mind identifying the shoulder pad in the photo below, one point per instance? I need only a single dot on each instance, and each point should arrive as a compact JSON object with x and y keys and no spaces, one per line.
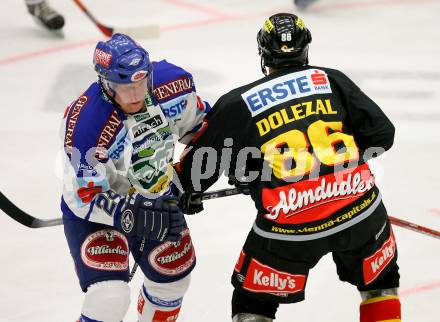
{"x":91,"y":121}
{"x":170,"y":81}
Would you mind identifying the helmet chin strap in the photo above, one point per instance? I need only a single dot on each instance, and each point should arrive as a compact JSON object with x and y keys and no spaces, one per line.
{"x":104,"y":85}
{"x":107,"y":90}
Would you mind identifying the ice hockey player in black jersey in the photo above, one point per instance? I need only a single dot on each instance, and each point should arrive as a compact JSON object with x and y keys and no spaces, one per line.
{"x":298,"y":141}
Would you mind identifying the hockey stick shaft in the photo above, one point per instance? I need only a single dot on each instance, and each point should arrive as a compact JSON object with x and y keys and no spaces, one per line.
{"x":108,"y":31}
{"x":395,"y":221}
{"x":9,"y":208}
{"x":149,"y":31}
{"x":29,"y":221}
{"x":414,"y":227}
{"x":220,"y":193}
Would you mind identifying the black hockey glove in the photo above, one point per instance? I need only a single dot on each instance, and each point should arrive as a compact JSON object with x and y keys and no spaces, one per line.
{"x":156,"y":219}
{"x":243,"y":187}
{"x":191,"y":203}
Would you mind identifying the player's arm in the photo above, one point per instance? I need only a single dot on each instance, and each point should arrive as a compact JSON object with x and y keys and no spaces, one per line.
{"x":192,"y":117}
{"x":87,"y":192}
{"x":206,"y":157}
{"x":370,"y":126}
{"x":174,"y":89}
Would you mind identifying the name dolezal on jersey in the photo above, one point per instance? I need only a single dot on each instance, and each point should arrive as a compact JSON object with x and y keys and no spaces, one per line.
{"x":286,"y":88}
{"x":294,"y":113}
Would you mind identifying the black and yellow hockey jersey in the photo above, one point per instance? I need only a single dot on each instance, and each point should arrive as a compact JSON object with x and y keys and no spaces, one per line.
{"x":302,"y":136}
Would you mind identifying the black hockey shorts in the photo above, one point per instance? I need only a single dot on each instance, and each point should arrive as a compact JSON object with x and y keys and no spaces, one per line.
{"x":276,"y":271}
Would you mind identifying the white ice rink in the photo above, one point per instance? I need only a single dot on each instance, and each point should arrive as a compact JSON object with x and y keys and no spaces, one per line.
{"x":391,"y":48}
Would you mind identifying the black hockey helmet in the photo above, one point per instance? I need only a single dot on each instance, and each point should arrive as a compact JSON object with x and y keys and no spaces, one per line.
{"x":283,"y":41}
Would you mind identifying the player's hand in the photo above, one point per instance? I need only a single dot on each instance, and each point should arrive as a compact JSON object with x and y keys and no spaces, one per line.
{"x":243,"y":187}
{"x":156,"y":219}
{"x":191,"y":203}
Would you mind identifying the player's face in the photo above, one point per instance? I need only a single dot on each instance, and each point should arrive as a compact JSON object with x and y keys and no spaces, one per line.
{"x":131,"y":96}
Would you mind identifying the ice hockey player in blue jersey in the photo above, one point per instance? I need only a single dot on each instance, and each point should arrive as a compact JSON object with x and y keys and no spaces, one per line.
{"x":118,"y":195}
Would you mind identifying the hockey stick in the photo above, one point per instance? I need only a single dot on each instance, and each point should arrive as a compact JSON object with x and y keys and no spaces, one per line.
{"x":395,"y":221}
{"x":149,"y":31}
{"x":414,"y":227}
{"x":24,"y":218}
{"x":27,"y":220}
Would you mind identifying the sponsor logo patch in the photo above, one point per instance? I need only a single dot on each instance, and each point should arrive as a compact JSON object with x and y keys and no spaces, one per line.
{"x":105,"y":250}
{"x":174,"y":88}
{"x":71,"y":122}
{"x":166,"y":316}
{"x":173,"y":258}
{"x":174,"y":110}
{"x":139,"y":117}
{"x":376,"y":263}
{"x":146,"y":125}
{"x":268,"y":26}
{"x":107,"y":135}
{"x":285,"y":88}
{"x":135,"y":61}
{"x":127,"y":221}
{"x":102,"y":58}
{"x":312,"y":200}
{"x":140,"y":303}
{"x":86,"y":194}
{"x":265,"y":279}
{"x":138,"y":75}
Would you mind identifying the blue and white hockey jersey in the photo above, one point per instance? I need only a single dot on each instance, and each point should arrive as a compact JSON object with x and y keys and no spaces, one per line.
{"x":109,"y":152}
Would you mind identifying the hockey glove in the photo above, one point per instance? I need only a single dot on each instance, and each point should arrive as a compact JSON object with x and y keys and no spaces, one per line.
{"x":155,"y":219}
{"x":191,"y":203}
{"x":243,"y":187}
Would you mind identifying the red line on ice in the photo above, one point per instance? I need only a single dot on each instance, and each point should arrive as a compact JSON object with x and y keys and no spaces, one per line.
{"x":419,"y":289}
{"x":197,"y":7}
{"x":46,"y":51}
{"x":216,"y":17}
{"x":364,"y":4}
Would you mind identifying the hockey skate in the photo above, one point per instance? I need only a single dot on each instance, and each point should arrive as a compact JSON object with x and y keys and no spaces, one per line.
{"x":303,"y":4}
{"x":46,"y":16}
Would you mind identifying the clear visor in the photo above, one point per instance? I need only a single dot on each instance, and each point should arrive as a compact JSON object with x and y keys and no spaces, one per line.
{"x":132,"y":92}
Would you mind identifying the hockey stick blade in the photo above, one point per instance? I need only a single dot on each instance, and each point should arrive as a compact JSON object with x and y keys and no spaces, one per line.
{"x":148,"y":31}
{"x":24,"y":218}
{"x":151,"y":31}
